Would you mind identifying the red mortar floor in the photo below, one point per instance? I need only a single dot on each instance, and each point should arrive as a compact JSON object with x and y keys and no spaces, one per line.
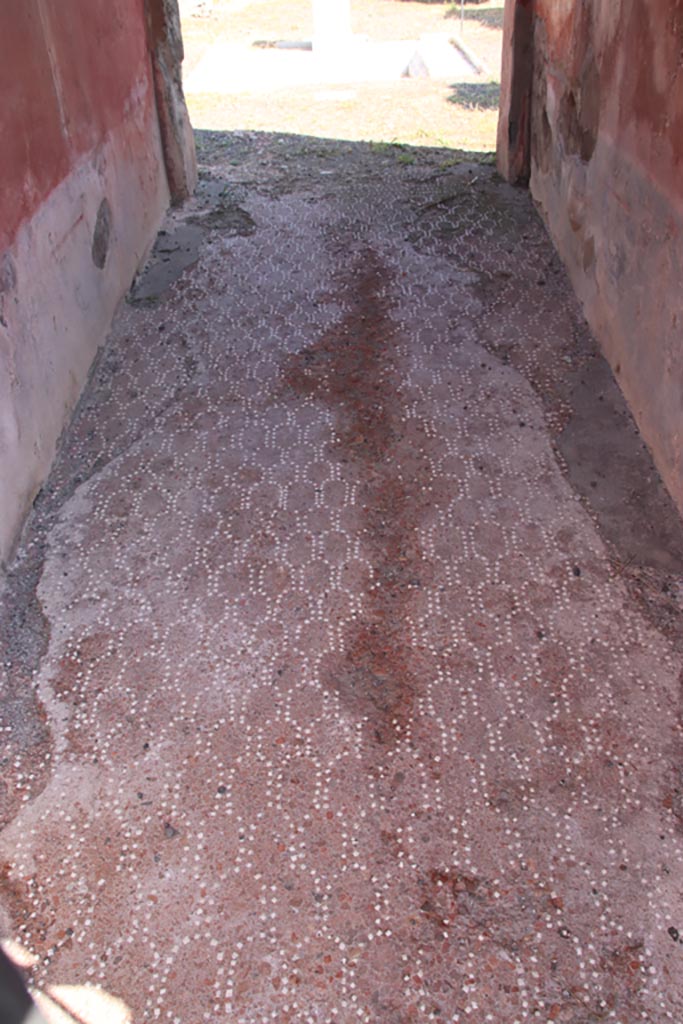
{"x":339,"y":711}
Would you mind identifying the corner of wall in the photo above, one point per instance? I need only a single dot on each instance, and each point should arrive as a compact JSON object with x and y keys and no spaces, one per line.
{"x":166,"y":50}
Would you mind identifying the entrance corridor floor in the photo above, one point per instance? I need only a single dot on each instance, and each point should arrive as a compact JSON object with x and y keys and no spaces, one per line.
{"x":342,"y":652}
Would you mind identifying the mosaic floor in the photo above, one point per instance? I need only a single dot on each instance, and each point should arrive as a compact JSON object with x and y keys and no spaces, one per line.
{"x":324,"y":701}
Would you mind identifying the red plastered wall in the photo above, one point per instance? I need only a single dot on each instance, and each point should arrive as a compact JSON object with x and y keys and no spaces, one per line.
{"x":607,"y":174}
{"x":69,"y":73}
{"x":635,"y":48}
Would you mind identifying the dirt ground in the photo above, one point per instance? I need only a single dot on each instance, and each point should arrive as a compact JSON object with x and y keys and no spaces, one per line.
{"x":415,"y":111}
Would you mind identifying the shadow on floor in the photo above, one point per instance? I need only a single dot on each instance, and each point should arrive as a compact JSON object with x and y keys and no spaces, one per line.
{"x":490,"y":17}
{"x":476,"y":95}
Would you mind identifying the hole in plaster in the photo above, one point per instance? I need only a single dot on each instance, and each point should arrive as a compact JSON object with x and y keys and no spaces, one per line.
{"x":101,"y":235}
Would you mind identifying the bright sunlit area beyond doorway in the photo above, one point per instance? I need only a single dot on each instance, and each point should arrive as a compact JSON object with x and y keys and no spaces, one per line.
{"x":403,"y":72}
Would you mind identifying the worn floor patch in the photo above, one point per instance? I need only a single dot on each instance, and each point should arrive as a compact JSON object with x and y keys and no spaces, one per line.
{"x":342,"y":706}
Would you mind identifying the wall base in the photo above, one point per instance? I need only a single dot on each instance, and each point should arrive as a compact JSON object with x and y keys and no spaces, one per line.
{"x":60,"y":283}
{"x":622,"y":242}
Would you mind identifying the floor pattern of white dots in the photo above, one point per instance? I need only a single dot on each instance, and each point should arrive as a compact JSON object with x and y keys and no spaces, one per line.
{"x":348,"y":716}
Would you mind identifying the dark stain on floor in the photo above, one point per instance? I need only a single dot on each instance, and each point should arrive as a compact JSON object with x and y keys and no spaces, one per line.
{"x":351,"y":369}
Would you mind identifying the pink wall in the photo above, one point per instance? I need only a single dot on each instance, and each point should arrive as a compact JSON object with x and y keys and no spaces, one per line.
{"x":68,"y":75}
{"x":80,"y":135}
{"x":607,"y":171}
{"x":622,"y":60}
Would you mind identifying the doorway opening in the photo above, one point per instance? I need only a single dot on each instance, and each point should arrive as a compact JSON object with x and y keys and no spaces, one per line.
{"x":401,"y":72}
